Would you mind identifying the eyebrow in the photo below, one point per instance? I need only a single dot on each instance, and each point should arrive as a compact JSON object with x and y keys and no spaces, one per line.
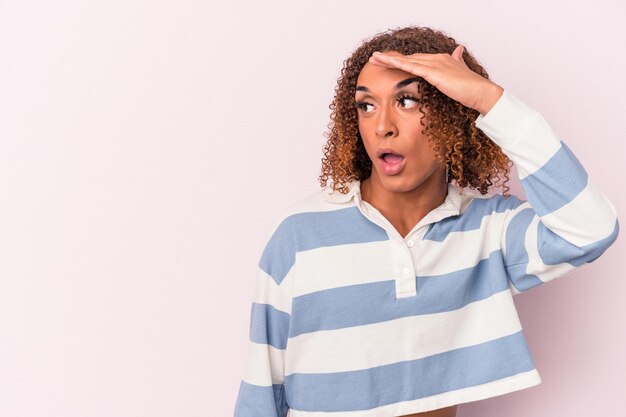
{"x":401,"y":84}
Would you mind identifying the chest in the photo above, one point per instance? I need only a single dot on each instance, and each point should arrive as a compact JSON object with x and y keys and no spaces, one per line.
{"x":438,"y":259}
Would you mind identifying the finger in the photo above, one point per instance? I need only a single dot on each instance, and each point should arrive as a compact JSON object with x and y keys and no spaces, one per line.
{"x":404,"y":64}
{"x":392,"y":61}
{"x":422,"y":56}
{"x":407,"y":59}
{"x":458,"y":53}
{"x":382,"y":63}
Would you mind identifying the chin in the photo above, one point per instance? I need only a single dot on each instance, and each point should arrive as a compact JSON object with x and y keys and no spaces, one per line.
{"x":400,"y":183}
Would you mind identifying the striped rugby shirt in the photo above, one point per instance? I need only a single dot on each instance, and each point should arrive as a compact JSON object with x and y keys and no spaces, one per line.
{"x":351,"y":319}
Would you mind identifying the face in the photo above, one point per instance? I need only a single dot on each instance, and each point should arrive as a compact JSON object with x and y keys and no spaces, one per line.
{"x":389,"y":118}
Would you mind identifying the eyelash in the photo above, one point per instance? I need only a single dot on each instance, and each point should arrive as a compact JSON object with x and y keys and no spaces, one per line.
{"x":362,"y":104}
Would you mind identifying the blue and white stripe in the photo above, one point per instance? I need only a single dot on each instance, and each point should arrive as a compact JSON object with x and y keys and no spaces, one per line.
{"x":351,"y":319}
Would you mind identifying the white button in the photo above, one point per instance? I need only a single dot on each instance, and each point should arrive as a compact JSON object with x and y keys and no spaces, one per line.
{"x":405,"y":270}
{"x":410,"y":243}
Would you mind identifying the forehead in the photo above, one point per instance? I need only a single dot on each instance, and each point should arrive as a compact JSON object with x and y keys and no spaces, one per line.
{"x":381,"y":78}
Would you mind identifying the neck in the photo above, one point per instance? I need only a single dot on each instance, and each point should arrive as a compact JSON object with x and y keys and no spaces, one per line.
{"x":425,"y":197}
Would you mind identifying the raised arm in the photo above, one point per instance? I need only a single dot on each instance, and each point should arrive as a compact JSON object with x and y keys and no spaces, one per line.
{"x":566,"y":221}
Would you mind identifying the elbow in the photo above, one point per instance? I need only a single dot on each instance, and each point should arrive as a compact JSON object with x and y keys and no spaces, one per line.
{"x":598,"y":248}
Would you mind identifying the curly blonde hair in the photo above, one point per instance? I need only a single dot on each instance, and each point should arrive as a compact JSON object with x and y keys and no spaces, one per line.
{"x":472,"y":158}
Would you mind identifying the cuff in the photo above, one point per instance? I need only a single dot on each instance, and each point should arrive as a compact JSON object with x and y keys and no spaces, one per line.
{"x":507,"y":120}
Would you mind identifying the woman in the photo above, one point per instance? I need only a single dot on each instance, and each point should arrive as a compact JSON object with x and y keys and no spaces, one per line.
{"x":391,"y":292}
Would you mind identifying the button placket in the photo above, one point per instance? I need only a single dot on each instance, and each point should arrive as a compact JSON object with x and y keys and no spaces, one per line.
{"x":403,"y":259}
{"x":417,"y":249}
{"x":405,"y":278}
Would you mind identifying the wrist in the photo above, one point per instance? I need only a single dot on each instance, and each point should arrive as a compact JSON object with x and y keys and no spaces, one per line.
{"x":490,"y":96}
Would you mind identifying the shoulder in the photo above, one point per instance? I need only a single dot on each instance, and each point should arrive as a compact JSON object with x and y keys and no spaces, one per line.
{"x":496,"y":203}
{"x":490,"y":211}
{"x":298,"y":226}
{"x":304,"y":213}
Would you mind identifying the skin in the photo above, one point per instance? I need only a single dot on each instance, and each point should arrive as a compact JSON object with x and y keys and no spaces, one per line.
{"x":405,"y":198}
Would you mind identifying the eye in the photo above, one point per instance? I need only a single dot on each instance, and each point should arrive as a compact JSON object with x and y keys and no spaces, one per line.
{"x":408,"y":97}
{"x":361,"y":105}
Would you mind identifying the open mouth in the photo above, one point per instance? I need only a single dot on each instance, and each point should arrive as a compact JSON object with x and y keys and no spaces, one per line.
{"x":391,"y":163}
{"x":391,"y":158}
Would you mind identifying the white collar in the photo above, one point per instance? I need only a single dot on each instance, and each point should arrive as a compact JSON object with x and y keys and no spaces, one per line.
{"x":454,"y":199}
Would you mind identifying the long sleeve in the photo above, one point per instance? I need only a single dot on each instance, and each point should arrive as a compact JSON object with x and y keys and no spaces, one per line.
{"x":261,"y":390}
{"x":566,"y":221}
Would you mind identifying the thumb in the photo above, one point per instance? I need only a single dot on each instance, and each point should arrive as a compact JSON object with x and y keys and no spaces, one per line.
{"x":458,"y":53}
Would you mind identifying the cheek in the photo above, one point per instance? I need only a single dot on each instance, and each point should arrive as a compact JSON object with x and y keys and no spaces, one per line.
{"x":365,"y":134}
{"x":365,"y":124}
{"x":443,"y":149}
{"x":413,"y":126}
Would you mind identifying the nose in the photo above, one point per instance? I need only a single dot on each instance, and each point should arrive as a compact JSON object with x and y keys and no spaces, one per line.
{"x":385,"y":123}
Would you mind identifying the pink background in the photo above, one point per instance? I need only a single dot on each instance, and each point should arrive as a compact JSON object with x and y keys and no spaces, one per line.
{"x":146,"y":146}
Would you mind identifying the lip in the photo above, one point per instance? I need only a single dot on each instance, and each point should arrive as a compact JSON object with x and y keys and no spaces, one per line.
{"x":381,"y":151}
{"x":392,"y":168}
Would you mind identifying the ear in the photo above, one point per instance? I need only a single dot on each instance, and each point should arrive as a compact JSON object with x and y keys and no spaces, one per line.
{"x":458,"y":53}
